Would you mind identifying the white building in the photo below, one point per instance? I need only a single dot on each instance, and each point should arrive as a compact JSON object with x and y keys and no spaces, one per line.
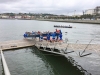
{"x":18,"y":17}
{"x":5,"y":16}
{"x":76,"y":15}
{"x":97,"y":10}
{"x":89,"y":11}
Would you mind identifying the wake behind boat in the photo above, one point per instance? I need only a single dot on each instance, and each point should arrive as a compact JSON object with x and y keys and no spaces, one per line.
{"x":60,"y":26}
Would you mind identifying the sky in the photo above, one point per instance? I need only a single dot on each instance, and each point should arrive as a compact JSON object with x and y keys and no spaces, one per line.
{"x":60,"y":7}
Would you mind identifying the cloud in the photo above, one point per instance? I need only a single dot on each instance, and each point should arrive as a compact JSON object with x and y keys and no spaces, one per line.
{"x":8,"y":1}
{"x":47,"y":6}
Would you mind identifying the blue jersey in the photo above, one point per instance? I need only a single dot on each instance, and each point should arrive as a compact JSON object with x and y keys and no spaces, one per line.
{"x":53,"y":35}
{"x":41,"y":37}
{"x":25,"y":35}
{"x":60,"y":36}
{"x":48,"y":37}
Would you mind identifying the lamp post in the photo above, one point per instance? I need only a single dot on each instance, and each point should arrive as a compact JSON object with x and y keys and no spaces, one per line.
{"x":67,"y":15}
{"x":74,"y":12}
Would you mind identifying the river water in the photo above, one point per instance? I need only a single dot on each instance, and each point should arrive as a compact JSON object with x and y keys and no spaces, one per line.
{"x":29,"y":61}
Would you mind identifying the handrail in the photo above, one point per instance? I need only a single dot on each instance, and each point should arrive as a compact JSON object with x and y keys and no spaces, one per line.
{"x":6,"y":70}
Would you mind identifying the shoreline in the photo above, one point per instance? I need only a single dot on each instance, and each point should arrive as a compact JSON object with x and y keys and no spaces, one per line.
{"x":63,"y":20}
{"x":72,"y":21}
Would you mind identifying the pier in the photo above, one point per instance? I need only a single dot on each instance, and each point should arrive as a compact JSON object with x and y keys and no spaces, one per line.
{"x":15,"y":44}
{"x":83,"y":54}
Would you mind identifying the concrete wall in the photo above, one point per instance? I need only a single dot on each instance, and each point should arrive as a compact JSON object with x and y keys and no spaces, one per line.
{"x":72,"y":21}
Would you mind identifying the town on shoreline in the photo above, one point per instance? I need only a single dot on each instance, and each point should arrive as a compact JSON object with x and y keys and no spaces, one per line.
{"x":89,"y":14}
{"x":31,"y":16}
{"x":51,"y":17}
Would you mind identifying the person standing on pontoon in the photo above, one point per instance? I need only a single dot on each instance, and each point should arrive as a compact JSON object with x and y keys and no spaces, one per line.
{"x":41,"y":37}
{"x":48,"y":37}
{"x":60,"y":37}
{"x":53,"y":37}
{"x":57,"y":34}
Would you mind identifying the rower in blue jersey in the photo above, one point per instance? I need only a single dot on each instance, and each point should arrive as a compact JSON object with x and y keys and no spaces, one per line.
{"x":33,"y":32}
{"x":48,"y":37}
{"x":60,"y":36}
{"x":53,"y":36}
{"x":41,"y":37}
{"x":60,"y":31}
{"x":25,"y":35}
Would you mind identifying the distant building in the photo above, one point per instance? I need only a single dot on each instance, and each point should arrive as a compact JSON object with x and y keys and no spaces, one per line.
{"x":97,"y":10}
{"x":4,"y":16}
{"x":76,"y":15}
{"x":26,"y":16}
{"x":89,"y":12}
{"x":18,"y":16}
{"x":0,"y":16}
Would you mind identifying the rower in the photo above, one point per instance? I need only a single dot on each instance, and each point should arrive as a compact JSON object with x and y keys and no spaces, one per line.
{"x":41,"y":37}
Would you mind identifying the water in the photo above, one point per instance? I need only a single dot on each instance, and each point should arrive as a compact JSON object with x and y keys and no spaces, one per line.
{"x":14,"y":29}
{"x":32,"y":62}
{"x":29,"y":62}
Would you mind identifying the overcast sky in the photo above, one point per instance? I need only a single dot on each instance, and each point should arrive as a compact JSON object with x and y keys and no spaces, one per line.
{"x":65,"y":7}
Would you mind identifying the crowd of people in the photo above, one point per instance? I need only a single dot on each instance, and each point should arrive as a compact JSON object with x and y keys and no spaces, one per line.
{"x":55,"y":36}
{"x":52,"y":36}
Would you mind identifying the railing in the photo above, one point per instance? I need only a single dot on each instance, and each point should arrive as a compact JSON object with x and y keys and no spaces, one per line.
{"x":66,"y":47}
{"x":82,"y":41}
{"x":6,"y":70}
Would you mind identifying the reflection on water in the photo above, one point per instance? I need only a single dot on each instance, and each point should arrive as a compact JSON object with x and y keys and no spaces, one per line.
{"x":24,"y":62}
{"x":60,"y":64}
{"x":31,"y":61}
